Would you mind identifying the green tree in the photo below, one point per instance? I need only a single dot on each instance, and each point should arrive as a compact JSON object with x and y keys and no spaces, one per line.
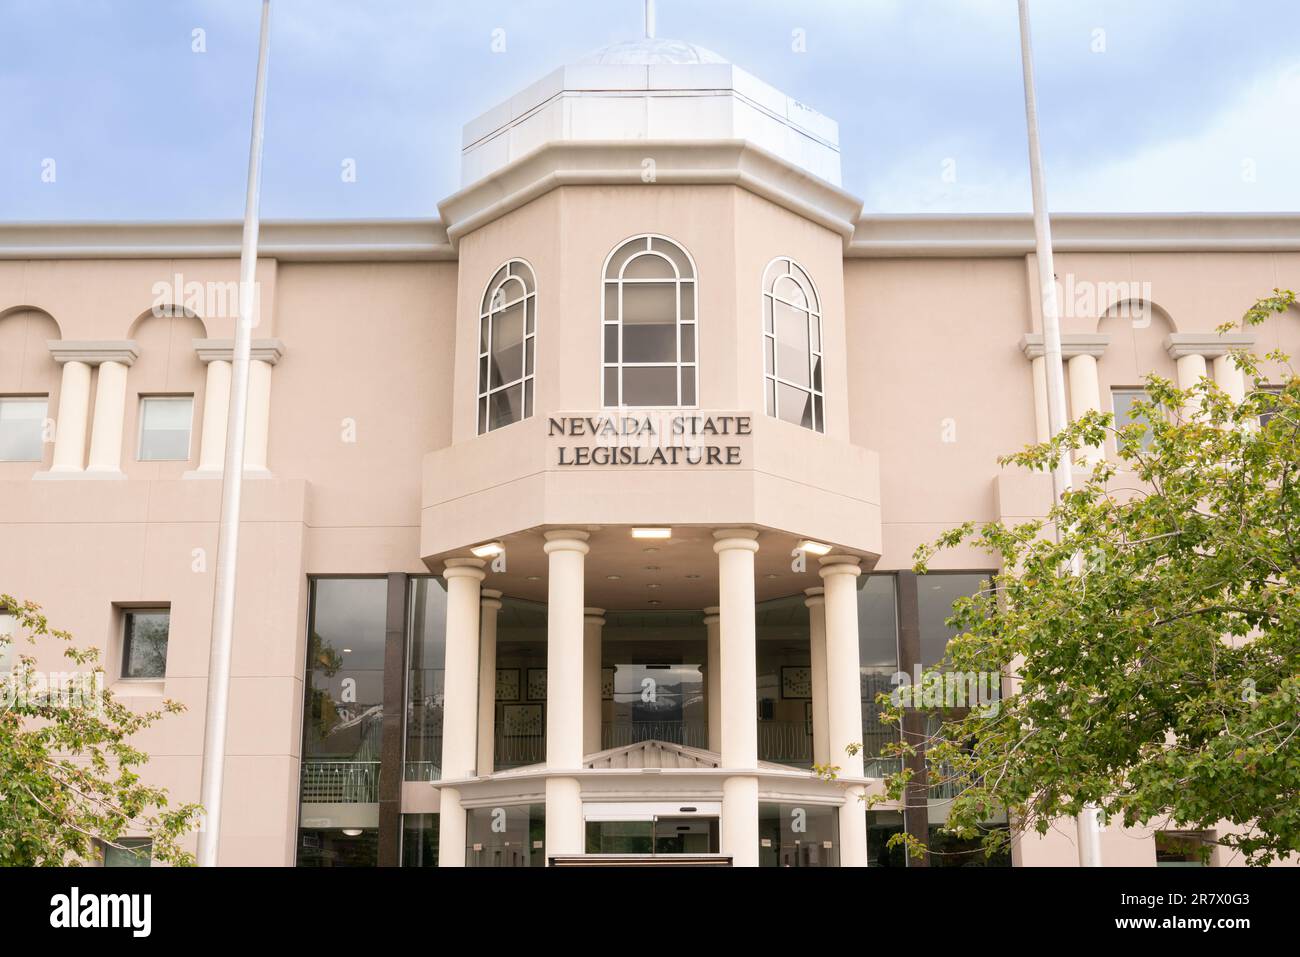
{"x":68,"y":770}
{"x":1153,"y":651}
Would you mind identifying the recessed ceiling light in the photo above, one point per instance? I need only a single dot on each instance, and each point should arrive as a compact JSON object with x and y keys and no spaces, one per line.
{"x":652,"y":533}
{"x":352,"y":831}
{"x":653,"y":585}
{"x":770,"y":575}
{"x":347,"y":651}
{"x":692,"y":577}
{"x":534,"y":578}
{"x":487,"y":550}
{"x":654,"y":601}
{"x":652,"y":568}
{"x":813,"y":548}
{"x":613,"y":578}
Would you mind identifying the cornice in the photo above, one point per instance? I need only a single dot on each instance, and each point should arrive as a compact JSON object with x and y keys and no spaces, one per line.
{"x":870,"y":237}
{"x":1012,"y":235}
{"x":94,"y":351}
{"x":267,"y":350}
{"x":1211,"y":345}
{"x":1075,"y":344}
{"x":676,"y":162}
{"x":288,"y":240}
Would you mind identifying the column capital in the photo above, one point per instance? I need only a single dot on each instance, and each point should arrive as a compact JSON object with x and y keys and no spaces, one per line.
{"x":94,"y":352}
{"x":593,"y":616}
{"x":840,"y":565}
{"x":1210,"y":345}
{"x":490,"y":598}
{"x":1077,"y":344}
{"x":712,"y":615}
{"x":727,"y":539}
{"x":566,"y":540}
{"x":816,"y":597}
{"x":464,"y":568}
{"x":213,"y":350}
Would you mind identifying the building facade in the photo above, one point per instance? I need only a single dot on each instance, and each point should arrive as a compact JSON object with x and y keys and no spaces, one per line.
{"x":579,"y":520}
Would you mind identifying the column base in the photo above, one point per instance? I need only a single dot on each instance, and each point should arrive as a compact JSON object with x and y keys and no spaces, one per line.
{"x":739,"y":837}
{"x":451,"y":829}
{"x":564,"y":831}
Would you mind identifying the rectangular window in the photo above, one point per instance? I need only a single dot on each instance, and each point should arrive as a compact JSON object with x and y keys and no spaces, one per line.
{"x":1183,"y":848}
{"x":128,"y":852}
{"x":22,"y":422}
{"x":1122,"y":401}
{"x":144,"y":643}
{"x":165,"y":428}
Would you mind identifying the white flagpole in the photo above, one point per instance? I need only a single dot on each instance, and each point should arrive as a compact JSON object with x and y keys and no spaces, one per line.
{"x":1089,"y":827}
{"x":232,"y":484}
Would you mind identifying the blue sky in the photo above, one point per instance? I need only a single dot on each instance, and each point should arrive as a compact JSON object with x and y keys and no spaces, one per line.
{"x":1175,"y":105}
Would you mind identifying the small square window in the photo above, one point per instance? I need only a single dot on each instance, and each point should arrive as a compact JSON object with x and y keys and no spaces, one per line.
{"x":144,"y":643}
{"x":22,"y":424}
{"x":165,"y":428}
{"x":129,"y":852}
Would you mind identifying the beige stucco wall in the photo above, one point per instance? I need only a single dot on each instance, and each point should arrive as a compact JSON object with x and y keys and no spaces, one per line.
{"x":925,"y":381}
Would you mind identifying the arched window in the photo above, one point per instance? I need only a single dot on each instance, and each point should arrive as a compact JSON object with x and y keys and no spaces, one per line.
{"x":507,"y":330}
{"x":792,"y":346}
{"x":648,"y":323}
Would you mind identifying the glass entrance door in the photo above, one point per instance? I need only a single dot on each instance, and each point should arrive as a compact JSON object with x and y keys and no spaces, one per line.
{"x":660,"y":835}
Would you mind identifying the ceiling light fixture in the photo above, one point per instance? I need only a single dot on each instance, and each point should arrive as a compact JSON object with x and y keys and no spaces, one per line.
{"x":652,"y":533}
{"x":487,"y":550}
{"x":352,"y":831}
{"x":813,"y":548}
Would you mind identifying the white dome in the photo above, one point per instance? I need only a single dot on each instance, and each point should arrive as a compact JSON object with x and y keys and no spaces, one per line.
{"x":650,"y":51}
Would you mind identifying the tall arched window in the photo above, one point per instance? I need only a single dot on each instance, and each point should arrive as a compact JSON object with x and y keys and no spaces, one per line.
{"x":648,"y":324}
{"x":792,"y":345}
{"x":507,"y":330}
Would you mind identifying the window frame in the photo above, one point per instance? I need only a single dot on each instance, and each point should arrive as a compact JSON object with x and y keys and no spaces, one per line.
{"x":1142,"y":395}
{"x":816,"y":356}
{"x":619,"y":363}
{"x":125,"y":655}
{"x":143,"y":400}
{"x":527,"y":381}
{"x":31,"y":397}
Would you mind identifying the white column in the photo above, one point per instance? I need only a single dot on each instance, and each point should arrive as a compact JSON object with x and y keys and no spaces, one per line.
{"x":74,"y":407}
{"x":565,"y":613}
{"x":216,"y":406}
{"x":816,"y":602}
{"x":1085,"y":396}
{"x":106,"y":427}
{"x":713,"y":678}
{"x":735,"y":548}
{"x":460,"y":702}
{"x":487,"y":678}
{"x":1191,"y":369}
{"x":593,"y":623}
{"x":258,"y":428}
{"x":1228,"y":377}
{"x":844,"y":699}
{"x":1042,"y":426}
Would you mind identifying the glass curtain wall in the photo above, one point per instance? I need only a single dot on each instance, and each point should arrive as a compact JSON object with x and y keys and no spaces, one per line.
{"x":506,"y":836}
{"x":520,"y":725}
{"x":784,"y":693}
{"x":426,"y":654}
{"x":798,"y":835}
{"x":652,"y":678}
{"x":342,"y":723}
{"x":878,"y":660}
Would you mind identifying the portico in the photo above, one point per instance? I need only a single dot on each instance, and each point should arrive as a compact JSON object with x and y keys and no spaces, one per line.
{"x":579,"y":781}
